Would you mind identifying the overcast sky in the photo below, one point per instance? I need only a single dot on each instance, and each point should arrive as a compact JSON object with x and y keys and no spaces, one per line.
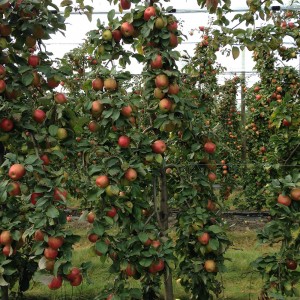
{"x":78,"y":25}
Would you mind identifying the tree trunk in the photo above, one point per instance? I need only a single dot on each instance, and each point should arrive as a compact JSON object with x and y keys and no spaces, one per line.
{"x":164,"y":215}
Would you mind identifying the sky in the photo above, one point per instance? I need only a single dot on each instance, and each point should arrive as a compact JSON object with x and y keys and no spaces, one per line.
{"x":78,"y":26}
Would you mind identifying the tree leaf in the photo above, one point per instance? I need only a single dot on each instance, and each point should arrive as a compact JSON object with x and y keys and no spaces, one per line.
{"x":235,"y":52}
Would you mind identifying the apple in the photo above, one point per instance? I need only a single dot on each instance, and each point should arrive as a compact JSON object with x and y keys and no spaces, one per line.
{"x":60,"y":98}
{"x":173,"y":42}
{"x":210,"y":266}
{"x":204,"y":238}
{"x":97,"y":84}
{"x":126,"y":111}
{"x":77,"y":281}
{"x":209,"y":147}
{"x":158,"y":93}
{"x":211,"y":205}
{"x":131,"y":174}
{"x":2,"y":86}
{"x":291,"y":264}
{"x":91,"y":217}
{"x":117,"y":35}
{"x":16,"y":171}
{"x":6,"y":250}
{"x":159,"y":146}
{"x":201,"y":28}
{"x":14,"y":189}
{"x":110,"y":297}
{"x":30,"y":41}
{"x":33,"y":60}
{"x":127,"y":29}
{"x":69,"y":218}
{"x":50,"y":253}
{"x":55,"y":283}
{"x":130,"y":270}
{"x":45,"y":159}
{"x":161,"y":81}
{"x":295,"y":194}
{"x":74,"y":272}
{"x":149,"y":12}
{"x":107,"y":35}
{"x":124,"y":141}
{"x":285,"y":200}
{"x":212,"y":177}
{"x":39,"y":236}
{"x":97,"y":108}
{"x":93,"y":238}
{"x":5,"y":30}
{"x":160,"y":23}
{"x":34,"y":197}
{"x":59,"y":194}
{"x":6,"y":125}
{"x":172,"y":26}
{"x":155,"y":244}
{"x":125,"y":4}
{"x":102,"y":181}
{"x":165,"y":105}
{"x":157,"y":62}
{"x":291,"y":24}
{"x":49,"y":264}
{"x":62,"y":133}
{"x":157,"y":266}
{"x":286,"y":123}
{"x":110,"y":84}
{"x":55,"y":242}
{"x":39,"y":116}
{"x":173,"y":89}
{"x":6,"y":238}
{"x":52,"y":83}
{"x":93,"y":126}
{"x":2,"y":72}
{"x":112,"y":212}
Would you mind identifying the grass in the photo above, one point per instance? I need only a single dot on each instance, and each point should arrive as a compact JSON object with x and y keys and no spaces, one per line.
{"x":239,"y":280}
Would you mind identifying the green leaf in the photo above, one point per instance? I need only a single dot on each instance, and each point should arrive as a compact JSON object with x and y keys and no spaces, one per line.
{"x":52,"y":212}
{"x":215,"y":229}
{"x":101,"y":247}
{"x":145,"y":262}
{"x":235,"y":52}
{"x":143,"y":237}
{"x":53,"y":130}
{"x":213,"y":244}
{"x":111,"y":14}
{"x":98,"y":229}
{"x":158,"y":158}
{"x":27,"y":78}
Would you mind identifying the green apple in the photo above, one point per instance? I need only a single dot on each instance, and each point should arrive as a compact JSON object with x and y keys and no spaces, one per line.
{"x":62,"y":133}
{"x":107,"y":35}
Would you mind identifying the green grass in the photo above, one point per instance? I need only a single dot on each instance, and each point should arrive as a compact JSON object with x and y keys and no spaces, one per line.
{"x":239,"y":280}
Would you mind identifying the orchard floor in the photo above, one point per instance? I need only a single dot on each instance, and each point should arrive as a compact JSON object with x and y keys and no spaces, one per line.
{"x":239,"y":281}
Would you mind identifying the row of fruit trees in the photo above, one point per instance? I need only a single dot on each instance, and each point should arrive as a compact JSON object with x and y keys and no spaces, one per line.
{"x":133,"y":148}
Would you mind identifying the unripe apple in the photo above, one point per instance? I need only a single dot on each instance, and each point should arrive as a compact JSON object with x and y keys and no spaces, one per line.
{"x":62,"y":133}
{"x":107,"y":35}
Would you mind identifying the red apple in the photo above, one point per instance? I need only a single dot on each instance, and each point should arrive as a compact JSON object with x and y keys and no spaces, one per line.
{"x":204,"y":238}
{"x":2,"y":72}
{"x":52,"y":83}
{"x":155,"y":244}
{"x":34,"y":197}
{"x":112,"y":212}
{"x":60,"y":98}
{"x":212,"y":177}
{"x":16,"y":171}
{"x":6,"y":238}
{"x":91,"y":217}
{"x":93,"y":237}
{"x":127,"y":29}
{"x":6,"y":250}
{"x":172,"y":26}
{"x":126,"y":111}
{"x":55,"y":242}
{"x":56,"y":283}
{"x":50,"y":253}
{"x":14,"y":189}
{"x":173,"y":42}
{"x":74,"y":272}
{"x":158,"y":93}
{"x":131,"y":174}
{"x":117,"y":35}
{"x":201,"y":28}
{"x":149,"y":12}
{"x":33,"y":60}
{"x":161,"y":81}
{"x":165,"y":105}
{"x":157,"y":62}
{"x":77,"y":281}
{"x":102,"y":181}
{"x":286,"y":123}
{"x":157,"y":266}
{"x":285,"y":200}
{"x":60,"y":194}
{"x":39,"y":116}
{"x":6,"y":125}
{"x":39,"y":236}
{"x":45,"y":159}
{"x":209,"y":147}
{"x":124,"y":141}
{"x":159,"y":146}
{"x":2,"y":86}
{"x":93,"y":126}
{"x":125,"y":4}
{"x":97,"y":84}
{"x":97,"y":108}
{"x":173,"y":89}
{"x":130,"y":270}
{"x":291,"y":264}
